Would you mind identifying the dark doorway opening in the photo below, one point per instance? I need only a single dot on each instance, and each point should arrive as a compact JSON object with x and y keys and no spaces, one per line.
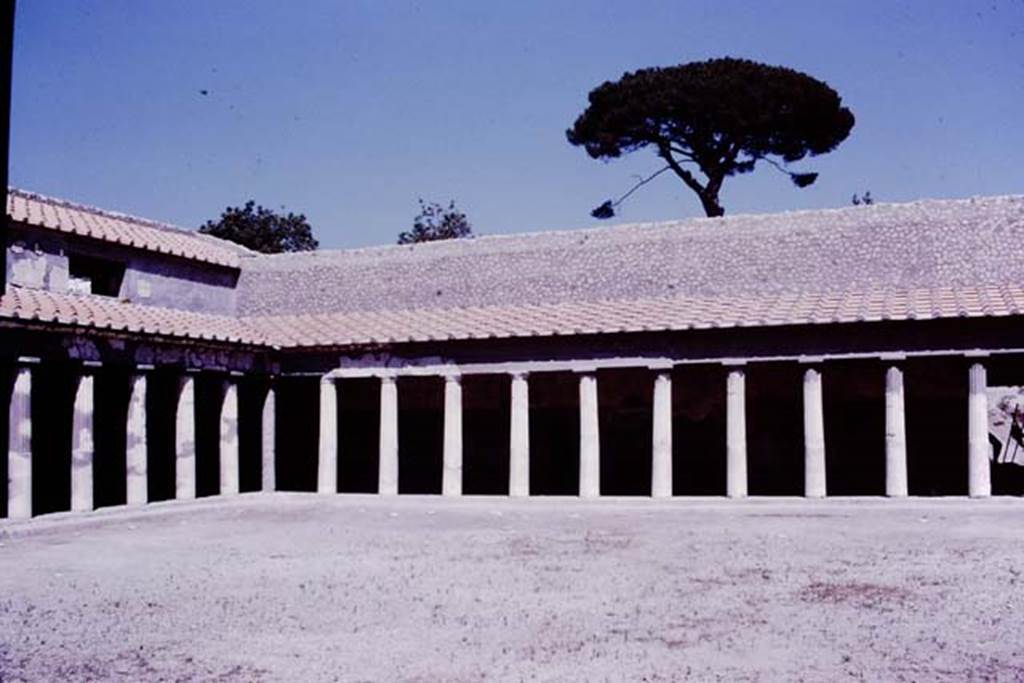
{"x":625,"y":400}
{"x":775,"y":429}
{"x":161,"y":407}
{"x":251,"y":392}
{"x":486,"y":421}
{"x":53,"y":397}
{"x":698,"y":430}
{"x":209,"y":395}
{"x":554,"y":434}
{"x":358,"y":434}
{"x":854,"y":398}
{"x":110,"y":415}
{"x":298,"y":433}
{"x":420,"y":434}
{"x":936,"y":411}
{"x":91,"y":275}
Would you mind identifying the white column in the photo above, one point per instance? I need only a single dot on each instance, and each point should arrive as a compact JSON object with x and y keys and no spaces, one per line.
{"x":590,"y":438}
{"x":135,"y":443}
{"x":387,"y":482}
{"x":82,"y":449}
{"x":979,"y":450}
{"x":19,"y":446}
{"x":229,"y":440}
{"x":185,"y":440}
{"x":895,"y":435}
{"x":661,"y":464}
{"x":519,"y":441}
{"x":814,"y":435}
{"x":269,"y":425}
{"x":736,"y":434}
{"x":327,"y":470}
{"x":451,"y":481}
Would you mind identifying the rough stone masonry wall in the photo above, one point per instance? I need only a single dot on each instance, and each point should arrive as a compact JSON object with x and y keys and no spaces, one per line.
{"x":900,"y":246}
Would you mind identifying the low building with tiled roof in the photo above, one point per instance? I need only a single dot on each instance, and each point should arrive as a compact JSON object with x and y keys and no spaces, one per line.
{"x":870,"y":350}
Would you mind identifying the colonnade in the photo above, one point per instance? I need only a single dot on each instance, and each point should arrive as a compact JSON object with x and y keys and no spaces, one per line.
{"x":19,"y":469}
{"x":815,"y":484}
{"x":19,"y":474}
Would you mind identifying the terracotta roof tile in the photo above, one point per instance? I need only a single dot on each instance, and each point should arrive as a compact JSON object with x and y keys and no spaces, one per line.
{"x":950,"y":259}
{"x":85,"y":310}
{"x":85,"y":221}
{"x":663,"y":314}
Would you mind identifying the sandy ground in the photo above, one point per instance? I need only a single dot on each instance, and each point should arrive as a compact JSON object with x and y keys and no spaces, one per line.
{"x":302,"y":588}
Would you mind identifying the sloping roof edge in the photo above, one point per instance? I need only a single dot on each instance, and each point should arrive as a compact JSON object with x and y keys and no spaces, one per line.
{"x":72,"y":218}
{"x":511,"y":322}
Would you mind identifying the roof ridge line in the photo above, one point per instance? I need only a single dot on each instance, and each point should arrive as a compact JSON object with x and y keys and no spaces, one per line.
{"x":689,"y":221}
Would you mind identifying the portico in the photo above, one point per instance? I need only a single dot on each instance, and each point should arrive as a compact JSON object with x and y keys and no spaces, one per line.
{"x":660,"y":454}
{"x":617,"y":362}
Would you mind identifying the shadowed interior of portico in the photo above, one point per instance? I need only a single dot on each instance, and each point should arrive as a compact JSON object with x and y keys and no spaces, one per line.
{"x":853,"y":399}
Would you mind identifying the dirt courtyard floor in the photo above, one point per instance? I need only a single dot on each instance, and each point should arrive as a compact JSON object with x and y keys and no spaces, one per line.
{"x":293,"y":587}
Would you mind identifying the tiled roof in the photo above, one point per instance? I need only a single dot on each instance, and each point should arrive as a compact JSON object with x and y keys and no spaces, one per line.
{"x":930,"y":259}
{"x":496,"y":322}
{"x":924,"y":245}
{"x":642,"y":315}
{"x":76,"y":219}
{"x":105,"y":313}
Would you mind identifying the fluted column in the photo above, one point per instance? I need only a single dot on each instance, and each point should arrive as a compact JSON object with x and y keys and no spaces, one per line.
{"x":269,"y":431}
{"x":82,"y":448}
{"x":19,"y":444}
{"x":590,"y":438}
{"x":229,"y":440}
{"x":895,"y":435}
{"x":387,"y":483}
{"x":979,"y":450}
{"x":814,"y":435}
{"x":185,"y":440}
{"x":327,"y":470}
{"x":519,"y":442}
{"x":661,"y":462}
{"x":136,"y":458}
{"x":451,"y":481}
{"x":736,"y":434}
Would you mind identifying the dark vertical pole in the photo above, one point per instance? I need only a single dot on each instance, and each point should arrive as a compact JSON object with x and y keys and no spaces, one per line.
{"x":6,"y":55}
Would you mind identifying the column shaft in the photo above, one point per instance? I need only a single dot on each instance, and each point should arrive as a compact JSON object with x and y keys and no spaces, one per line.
{"x":82,"y":449}
{"x":269,"y":432}
{"x":185,"y":441}
{"x":451,"y":482}
{"x":661,"y":464}
{"x":736,"y":434}
{"x":135,"y":444}
{"x":327,"y":470}
{"x":229,"y":440}
{"x":387,"y":483}
{"x":519,"y":442}
{"x":590,"y":438}
{"x":814,"y":435}
{"x":978,"y":448}
{"x":895,"y":435}
{"x":19,"y":447}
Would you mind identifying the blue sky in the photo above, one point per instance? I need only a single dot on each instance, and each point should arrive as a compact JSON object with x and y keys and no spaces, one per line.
{"x":349,"y":111}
